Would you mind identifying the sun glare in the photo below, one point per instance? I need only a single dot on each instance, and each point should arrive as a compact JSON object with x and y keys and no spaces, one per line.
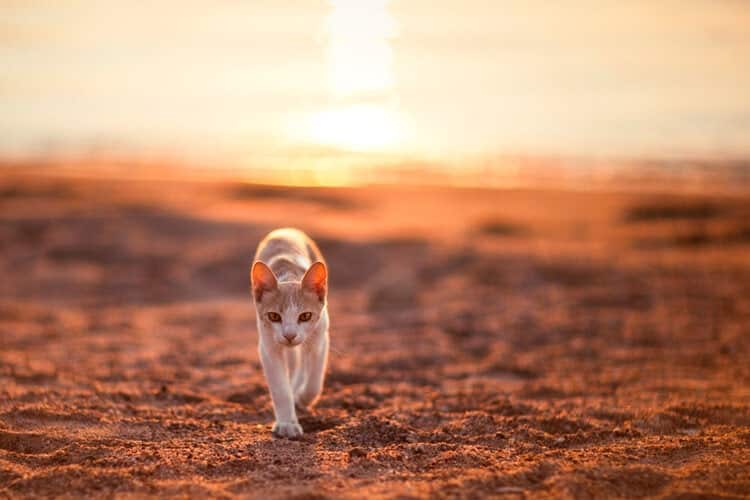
{"x":359,"y":52}
{"x":359,"y":127}
{"x":361,"y":116}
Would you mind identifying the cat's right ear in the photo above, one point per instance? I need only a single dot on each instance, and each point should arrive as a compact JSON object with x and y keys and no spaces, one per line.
{"x":262,"y":280}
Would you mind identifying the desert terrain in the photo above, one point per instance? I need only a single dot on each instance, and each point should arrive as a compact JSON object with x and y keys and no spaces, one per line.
{"x":515,"y":343}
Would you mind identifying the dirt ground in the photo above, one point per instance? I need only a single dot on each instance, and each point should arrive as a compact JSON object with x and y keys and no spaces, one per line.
{"x":485,"y":343}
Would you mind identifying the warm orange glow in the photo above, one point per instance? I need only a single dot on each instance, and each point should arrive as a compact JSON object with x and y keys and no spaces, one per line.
{"x":278,"y":85}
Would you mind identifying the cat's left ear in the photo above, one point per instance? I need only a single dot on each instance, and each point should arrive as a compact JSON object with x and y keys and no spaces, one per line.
{"x":316,"y":280}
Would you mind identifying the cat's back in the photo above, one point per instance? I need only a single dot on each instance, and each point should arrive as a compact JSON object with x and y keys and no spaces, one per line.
{"x":288,"y":251}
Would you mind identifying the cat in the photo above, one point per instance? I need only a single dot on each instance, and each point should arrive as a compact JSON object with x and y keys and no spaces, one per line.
{"x":289,"y":284}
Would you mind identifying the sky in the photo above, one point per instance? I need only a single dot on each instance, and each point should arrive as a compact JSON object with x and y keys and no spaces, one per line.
{"x":281,"y":81}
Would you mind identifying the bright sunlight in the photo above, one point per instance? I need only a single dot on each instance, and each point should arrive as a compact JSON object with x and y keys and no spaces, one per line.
{"x":362,"y":116}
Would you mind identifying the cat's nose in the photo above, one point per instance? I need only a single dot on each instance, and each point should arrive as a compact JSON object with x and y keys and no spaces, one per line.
{"x":290,"y":336}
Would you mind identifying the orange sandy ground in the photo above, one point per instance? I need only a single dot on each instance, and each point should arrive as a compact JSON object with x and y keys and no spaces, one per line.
{"x":484,"y":343}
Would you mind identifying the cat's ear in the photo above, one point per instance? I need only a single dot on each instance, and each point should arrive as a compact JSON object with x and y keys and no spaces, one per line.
{"x":316,"y":280}
{"x":262,"y":280}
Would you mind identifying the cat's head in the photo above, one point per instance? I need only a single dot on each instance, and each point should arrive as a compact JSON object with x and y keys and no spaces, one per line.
{"x":289,"y":309}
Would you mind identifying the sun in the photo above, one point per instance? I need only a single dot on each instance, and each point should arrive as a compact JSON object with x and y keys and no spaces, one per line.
{"x":361,"y":116}
{"x":358,"y":127}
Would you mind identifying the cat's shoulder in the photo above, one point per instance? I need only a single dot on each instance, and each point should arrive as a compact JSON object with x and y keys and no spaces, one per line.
{"x":289,"y":234}
{"x":289,"y":240}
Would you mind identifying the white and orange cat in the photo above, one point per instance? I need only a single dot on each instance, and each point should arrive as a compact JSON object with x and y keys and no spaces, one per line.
{"x":289,"y":282}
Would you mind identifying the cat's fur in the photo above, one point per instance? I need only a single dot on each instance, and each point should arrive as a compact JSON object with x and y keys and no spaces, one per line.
{"x":289,"y":277}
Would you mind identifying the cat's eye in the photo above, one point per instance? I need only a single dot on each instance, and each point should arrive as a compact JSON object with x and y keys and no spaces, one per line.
{"x":274,"y":317}
{"x":305,"y":316}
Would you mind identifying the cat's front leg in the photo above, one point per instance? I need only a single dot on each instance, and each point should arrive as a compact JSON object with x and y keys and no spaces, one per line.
{"x":274,"y":367}
{"x":314,"y":362}
{"x":296,"y":371}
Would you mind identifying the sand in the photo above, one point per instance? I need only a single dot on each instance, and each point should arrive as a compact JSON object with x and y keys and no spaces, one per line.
{"x":485,"y":343}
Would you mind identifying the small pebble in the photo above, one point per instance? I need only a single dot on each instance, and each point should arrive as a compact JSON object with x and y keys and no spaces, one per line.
{"x":357,"y":453}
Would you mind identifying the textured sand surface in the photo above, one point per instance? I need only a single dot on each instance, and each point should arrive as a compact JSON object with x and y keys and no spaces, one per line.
{"x":484,"y":343}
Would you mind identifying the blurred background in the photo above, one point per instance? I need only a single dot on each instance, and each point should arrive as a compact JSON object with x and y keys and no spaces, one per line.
{"x":335,"y":92}
{"x":536,"y":217}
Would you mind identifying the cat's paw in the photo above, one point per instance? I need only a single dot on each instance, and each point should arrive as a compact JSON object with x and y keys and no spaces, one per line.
{"x":289,"y":430}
